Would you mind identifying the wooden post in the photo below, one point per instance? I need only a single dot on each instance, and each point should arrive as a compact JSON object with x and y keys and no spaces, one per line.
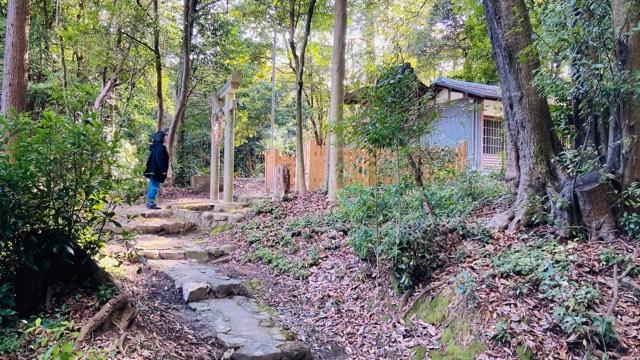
{"x":229,"y":145}
{"x":216,"y":137}
{"x":228,"y":93}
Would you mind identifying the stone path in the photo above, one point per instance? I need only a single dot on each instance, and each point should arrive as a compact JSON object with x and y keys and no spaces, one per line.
{"x":220,"y":305}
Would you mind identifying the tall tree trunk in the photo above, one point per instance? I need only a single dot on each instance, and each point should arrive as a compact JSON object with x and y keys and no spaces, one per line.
{"x":181,"y":106}
{"x":336,"y":107}
{"x":625,"y":17}
{"x":527,"y":114}
{"x":16,"y":57}
{"x":158,"y":64}
{"x":298,"y":60}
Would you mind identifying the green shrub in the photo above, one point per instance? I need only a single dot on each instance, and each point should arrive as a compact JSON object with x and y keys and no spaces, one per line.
{"x":9,"y":342}
{"x":388,"y":222}
{"x":631,"y":224}
{"x":59,"y":182}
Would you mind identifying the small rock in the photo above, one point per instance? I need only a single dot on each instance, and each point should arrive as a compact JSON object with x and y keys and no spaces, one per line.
{"x":341,"y":228}
{"x":295,"y":350}
{"x":193,"y":291}
{"x":227,"y":354}
{"x":257,"y":351}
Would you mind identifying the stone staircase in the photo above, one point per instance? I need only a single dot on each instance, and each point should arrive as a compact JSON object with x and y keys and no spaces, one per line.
{"x":220,"y":305}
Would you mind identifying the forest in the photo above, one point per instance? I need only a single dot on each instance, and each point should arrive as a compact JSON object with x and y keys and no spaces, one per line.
{"x":311,"y":179}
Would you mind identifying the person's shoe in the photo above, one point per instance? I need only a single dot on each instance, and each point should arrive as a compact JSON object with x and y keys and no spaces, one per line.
{"x":153,"y":207}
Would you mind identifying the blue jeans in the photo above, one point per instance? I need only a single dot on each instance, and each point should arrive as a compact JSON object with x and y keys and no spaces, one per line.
{"x":154,"y":186}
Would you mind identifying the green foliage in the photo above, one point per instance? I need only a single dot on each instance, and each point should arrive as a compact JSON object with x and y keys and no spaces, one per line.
{"x":266,"y":207}
{"x":388,"y":221}
{"x":7,"y":303}
{"x":59,"y":180}
{"x":105,"y":292}
{"x":9,"y":342}
{"x":466,"y":286}
{"x":630,"y":220}
{"x":611,"y":256}
{"x":631,"y":224}
{"x":501,"y":332}
{"x":396,"y":114}
{"x":278,"y":262}
{"x":546,"y":265}
{"x":54,"y":339}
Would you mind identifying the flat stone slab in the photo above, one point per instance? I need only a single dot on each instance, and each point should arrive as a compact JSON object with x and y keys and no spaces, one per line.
{"x":158,"y":226}
{"x":183,"y":272}
{"x":155,"y":242}
{"x":235,"y":322}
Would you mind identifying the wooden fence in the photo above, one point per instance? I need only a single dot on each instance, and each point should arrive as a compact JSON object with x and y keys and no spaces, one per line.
{"x":358,"y":166}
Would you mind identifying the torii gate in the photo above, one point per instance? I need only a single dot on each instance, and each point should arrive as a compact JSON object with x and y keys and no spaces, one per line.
{"x":223,"y":102}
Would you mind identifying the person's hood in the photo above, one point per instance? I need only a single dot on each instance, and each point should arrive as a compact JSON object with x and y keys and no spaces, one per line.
{"x":158,"y":138}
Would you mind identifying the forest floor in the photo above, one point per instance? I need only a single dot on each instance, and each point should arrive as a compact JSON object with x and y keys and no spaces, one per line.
{"x":491,"y":300}
{"x":498,"y":296}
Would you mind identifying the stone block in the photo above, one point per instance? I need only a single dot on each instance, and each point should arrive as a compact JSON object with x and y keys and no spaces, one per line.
{"x":295,"y":350}
{"x":193,"y":291}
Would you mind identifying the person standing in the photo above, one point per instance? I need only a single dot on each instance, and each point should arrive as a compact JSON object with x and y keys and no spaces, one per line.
{"x":157,"y":167}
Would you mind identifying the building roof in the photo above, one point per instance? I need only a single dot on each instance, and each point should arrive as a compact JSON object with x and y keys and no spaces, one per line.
{"x":473,"y":89}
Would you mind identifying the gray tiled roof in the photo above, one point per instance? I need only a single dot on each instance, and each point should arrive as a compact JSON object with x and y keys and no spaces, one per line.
{"x":479,"y":90}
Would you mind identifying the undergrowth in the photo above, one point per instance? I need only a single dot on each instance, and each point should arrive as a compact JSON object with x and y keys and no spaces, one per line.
{"x":390,"y":225}
{"x":544,"y":268}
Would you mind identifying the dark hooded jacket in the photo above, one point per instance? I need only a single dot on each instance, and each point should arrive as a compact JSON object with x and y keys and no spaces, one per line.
{"x":158,"y":162}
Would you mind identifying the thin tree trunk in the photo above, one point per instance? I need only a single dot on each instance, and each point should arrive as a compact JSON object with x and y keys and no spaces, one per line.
{"x":16,"y":57}
{"x":158,"y":65}
{"x":336,"y":107}
{"x":108,"y":86}
{"x":528,"y":118}
{"x":181,"y":105}
{"x":625,"y":17}
{"x":63,"y":61}
{"x":299,"y":59}
{"x":273,"y":88}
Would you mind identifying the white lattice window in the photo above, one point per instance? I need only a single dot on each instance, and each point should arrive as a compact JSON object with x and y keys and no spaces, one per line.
{"x":492,"y":136}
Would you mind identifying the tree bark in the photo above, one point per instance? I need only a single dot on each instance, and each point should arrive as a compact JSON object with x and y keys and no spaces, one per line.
{"x":336,"y":106}
{"x":16,"y":57}
{"x":158,"y":64}
{"x":625,"y":17}
{"x":282,"y":183}
{"x":183,"y":94}
{"x":527,"y":114}
{"x":298,"y":60}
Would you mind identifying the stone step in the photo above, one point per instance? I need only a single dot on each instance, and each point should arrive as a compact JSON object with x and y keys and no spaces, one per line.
{"x":209,"y":219}
{"x":198,"y":282}
{"x":169,"y":226}
{"x":154,"y":247}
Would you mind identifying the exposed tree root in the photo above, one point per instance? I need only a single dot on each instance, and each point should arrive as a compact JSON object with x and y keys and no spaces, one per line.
{"x":615,"y":284}
{"x":117,"y":303}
